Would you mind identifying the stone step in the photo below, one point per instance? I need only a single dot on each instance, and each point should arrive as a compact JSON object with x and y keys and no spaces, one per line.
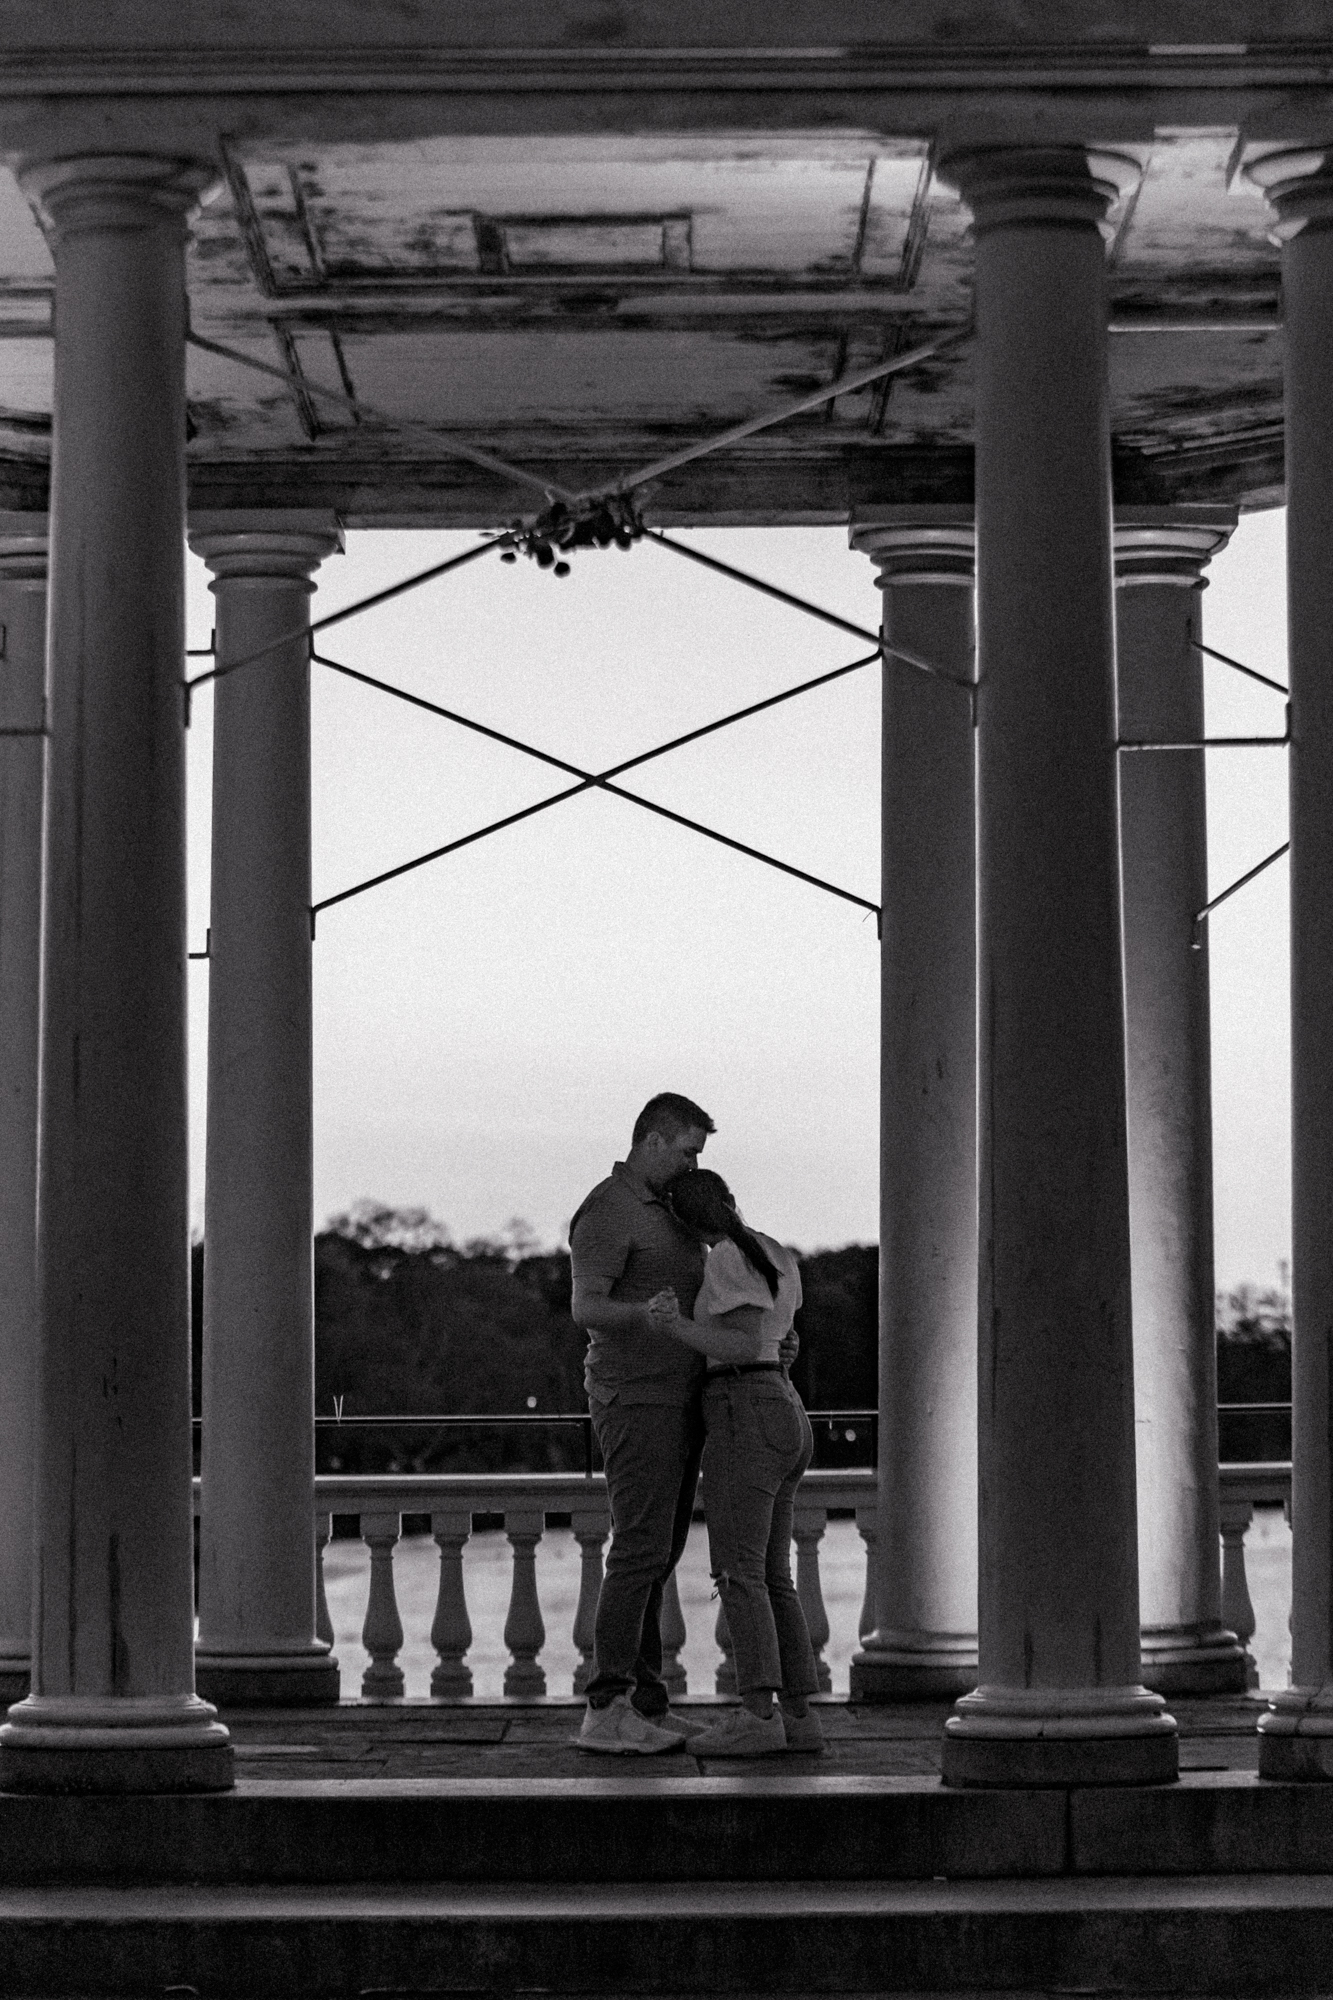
{"x":644,"y":1829}
{"x":1251,"y":1935}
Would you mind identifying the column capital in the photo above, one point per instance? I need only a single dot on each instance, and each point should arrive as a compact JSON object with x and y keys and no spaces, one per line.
{"x":23,"y":548}
{"x":1299,"y":185}
{"x":917,"y":544}
{"x":1172,"y":545}
{"x":120,"y":191}
{"x":272,"y":543}
{"x":1064,"y":185}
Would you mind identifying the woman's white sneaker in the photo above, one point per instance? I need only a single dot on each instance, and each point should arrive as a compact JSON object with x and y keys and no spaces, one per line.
{"x":618,"y":1730}
{"x":740,"y":1734}
{"x":804,"y":1732}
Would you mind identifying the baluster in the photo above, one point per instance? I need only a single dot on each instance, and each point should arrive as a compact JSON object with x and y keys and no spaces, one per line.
{"x":673,"y":1638}
{"x":724,"y":1680}
{"x":323,"y":1622}
{"x":451,"y":1630}
{"x":867,"y":1521}
{"x":524,"y":1633}
{"x":808,"y":1531}
{"x":590,"y":1532}
{"x":382,"y":1633}
{"x":1237,"y":1610}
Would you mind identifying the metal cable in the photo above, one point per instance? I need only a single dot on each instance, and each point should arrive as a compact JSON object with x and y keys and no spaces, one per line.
{"x":378,"y":597}
{"x":589,"y":779}
{"x":843,"y":386}
{"x":1201,"y":916}
{"x":885,"y":646}
{"x":450,"y":446}
{"x":1250,"y":672}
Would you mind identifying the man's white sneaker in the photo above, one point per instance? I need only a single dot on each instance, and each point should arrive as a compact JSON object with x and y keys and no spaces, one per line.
{"x":618,"y":1730}
{"x":740,"y":1734}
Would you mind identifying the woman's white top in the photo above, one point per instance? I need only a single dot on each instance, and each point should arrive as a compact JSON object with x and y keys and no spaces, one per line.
{"x":730,"y":1280}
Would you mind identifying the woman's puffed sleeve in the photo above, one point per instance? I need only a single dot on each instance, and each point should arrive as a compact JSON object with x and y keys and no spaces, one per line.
{"x":730,"y":1281}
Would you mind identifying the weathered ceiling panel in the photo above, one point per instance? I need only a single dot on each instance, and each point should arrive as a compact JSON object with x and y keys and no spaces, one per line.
{"x":594,"y":301}
{"x":408,"y":213}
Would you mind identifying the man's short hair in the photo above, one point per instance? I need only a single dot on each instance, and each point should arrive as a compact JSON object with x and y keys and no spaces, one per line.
{"x":669,"y":1114}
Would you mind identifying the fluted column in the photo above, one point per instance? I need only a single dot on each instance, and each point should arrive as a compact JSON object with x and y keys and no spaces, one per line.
{"x":257,"y":1640}
{"x":925,"y":1549}
{"x":22,"y":763}
{"x":1059,"y":1698}
{"x":1160,"y":557}
{"x":1296,"y":1738}
{"x":113,"y":1704}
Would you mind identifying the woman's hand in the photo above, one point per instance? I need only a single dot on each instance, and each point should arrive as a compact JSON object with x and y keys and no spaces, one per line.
{"x":664,"y":1312}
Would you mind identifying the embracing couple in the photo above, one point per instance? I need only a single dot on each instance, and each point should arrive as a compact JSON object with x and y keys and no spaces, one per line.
{"x":689,"y":1316}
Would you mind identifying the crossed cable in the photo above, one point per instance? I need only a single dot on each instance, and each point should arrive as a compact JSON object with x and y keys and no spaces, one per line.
{"x":576,"y":515}
{"x":589,"y":780}
{"x":572,"y":505}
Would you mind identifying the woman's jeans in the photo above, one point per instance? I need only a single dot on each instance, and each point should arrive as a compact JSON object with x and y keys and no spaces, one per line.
{"x":758,"y":1442}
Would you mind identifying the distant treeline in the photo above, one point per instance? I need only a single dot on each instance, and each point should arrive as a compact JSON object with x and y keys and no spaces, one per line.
{"x":408,"y":1323}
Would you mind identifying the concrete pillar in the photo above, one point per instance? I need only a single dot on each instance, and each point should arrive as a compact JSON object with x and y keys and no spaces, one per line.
{"x":1296,"y":1738}
{"x":257,"y":1642}
{"x":1160,"y":557}
{"x":1059,"y":1699}
{"x":22,"y":763}
{"x":113,"y":1706}
{"x":924,"y":1643}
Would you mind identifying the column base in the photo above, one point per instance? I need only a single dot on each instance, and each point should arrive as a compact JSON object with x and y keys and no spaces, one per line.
{"x":1185,"y":1659}
{"x":908,"y":1666}
{"x":1060,"y":1736}
{"x":1296,"y":1736}
{"x":268,"y":1680}
{"x":115,"y":1744}
{"x":15,"y":1677}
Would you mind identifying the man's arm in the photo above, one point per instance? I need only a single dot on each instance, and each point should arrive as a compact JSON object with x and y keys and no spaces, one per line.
{"x":593,"y":1309}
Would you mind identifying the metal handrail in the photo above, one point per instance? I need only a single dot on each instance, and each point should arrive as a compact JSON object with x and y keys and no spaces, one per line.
{"x":494,"y":1419}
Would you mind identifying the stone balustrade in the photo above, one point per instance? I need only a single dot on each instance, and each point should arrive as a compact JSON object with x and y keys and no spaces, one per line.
{"x":525,"y":1502}
{"x":528,"y":1501}
{"x":1243,"y":1488}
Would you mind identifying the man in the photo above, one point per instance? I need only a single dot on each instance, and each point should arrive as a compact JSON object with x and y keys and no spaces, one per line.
{"x":643,"y":1394}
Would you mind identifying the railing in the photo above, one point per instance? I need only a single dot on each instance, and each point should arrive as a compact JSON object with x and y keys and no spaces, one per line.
{"x":527,"y":1503}
{"x":1242,"y":1489}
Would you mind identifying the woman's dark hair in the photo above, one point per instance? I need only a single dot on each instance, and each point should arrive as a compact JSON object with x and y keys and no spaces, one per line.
{"x":702,"y":1200}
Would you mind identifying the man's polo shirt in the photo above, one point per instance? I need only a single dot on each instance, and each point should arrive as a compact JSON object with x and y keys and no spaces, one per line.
{"x":624,"y":1234}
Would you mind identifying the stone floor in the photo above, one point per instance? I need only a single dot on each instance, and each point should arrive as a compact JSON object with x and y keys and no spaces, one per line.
{"x":526,"y":1740}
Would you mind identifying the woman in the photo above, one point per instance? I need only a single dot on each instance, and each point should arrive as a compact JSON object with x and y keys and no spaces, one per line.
{"x":757,"y":1446}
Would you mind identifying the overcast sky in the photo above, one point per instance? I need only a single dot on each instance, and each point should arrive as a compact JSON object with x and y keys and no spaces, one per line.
{"x":487,"y":1027}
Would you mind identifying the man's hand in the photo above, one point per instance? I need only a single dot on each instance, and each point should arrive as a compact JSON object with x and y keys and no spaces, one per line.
{"x":789,"y":1347}
{"x":663,"y":1312}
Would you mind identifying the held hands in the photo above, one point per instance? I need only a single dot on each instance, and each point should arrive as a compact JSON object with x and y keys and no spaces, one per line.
{"x":663,"y":1312}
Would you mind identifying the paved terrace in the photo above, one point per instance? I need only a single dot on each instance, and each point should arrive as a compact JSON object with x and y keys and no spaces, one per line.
{"x":425,"y":1742}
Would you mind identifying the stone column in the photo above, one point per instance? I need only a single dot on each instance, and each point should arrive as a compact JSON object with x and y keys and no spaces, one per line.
{"x":257,"y":1642}
{"x":1296,"y":1738}
{"x":1059,"y":1699}
{"x":1160,"y":557}
{"x":22,"y":763}
{"x":925,"y":1641}
{"x":113,"y":1705}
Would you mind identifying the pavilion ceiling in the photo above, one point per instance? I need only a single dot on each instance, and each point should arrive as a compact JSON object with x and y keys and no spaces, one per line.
{"x":581,"y":303}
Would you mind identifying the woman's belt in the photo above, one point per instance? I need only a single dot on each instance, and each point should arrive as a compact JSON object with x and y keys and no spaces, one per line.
{"x":746,"y":1368}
